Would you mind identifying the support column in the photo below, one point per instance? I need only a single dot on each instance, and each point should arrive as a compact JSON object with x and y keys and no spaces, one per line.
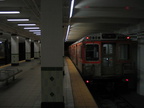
{"x":40,"y":49}
{"x":52,"y":54}
{"x":140,"y":67}
{"x":14,"y":50}
{"x":36,"y":50}
{"x":28,"y":49}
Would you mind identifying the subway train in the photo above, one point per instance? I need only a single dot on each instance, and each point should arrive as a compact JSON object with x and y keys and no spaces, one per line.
{"x":105,"y":57}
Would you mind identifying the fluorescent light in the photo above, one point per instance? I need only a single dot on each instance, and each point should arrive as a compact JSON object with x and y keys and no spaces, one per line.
{"x":67,"y":33}
{"x":34,"y":30}
{"x":26,"y":24}
{"x":9,"y":12}
{"x":37,"y":33}
{"x":71,"y":9}
{"x":31,"y":28}
{"x":17,"y":19}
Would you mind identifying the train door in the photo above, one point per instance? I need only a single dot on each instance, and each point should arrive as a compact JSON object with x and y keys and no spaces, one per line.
{"x":108,"y":58}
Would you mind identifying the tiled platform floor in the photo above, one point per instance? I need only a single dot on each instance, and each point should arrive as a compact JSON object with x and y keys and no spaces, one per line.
{"x":24,"y":92}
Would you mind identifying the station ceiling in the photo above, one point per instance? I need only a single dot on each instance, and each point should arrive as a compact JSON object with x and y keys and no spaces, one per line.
{"x":89,"y":16}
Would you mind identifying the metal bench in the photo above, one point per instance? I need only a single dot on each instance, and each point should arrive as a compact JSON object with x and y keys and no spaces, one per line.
{"x":7,"y":73}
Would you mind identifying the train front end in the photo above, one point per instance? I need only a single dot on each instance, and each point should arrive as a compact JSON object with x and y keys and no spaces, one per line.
{"x":108,"y":58}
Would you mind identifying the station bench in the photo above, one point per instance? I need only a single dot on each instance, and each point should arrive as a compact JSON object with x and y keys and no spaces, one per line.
{"x":7,"y":73}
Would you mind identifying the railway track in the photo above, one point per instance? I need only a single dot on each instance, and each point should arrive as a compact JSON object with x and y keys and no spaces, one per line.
{"x":108,"y":98}
{"x":109,"y":101}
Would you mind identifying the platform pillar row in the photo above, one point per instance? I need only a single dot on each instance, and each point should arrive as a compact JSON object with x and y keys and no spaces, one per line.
{"x":52,"y":49}
{"x":36,"y":50}
{"x":14,"y":50}
{"x":28,"y":49}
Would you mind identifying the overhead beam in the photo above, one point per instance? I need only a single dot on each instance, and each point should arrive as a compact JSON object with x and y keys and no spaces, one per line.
{"x":108,"y":13}
{"x":106,"y":20}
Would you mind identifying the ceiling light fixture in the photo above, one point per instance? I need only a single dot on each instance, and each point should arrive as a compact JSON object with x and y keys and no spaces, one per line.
{"x":26,"y":24}
{"x":31,"y":28}
{"x":37,"y":33}
{"x":17,"y":19}
{"x":34,"y":30}
{"x":68,"y":29}
{"x":71,"y":9}
{"x":9,"y":12}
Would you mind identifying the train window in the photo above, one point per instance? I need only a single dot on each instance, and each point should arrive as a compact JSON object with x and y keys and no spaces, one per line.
{"x":107,"y":49}
{"x":124,"y":52}
{"x":92,"y":52}
{"x":108,"y":54}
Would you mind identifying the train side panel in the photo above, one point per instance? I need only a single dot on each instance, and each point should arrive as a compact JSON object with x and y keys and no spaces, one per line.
{"x":72,"y":52}
{"x":79,"y":58}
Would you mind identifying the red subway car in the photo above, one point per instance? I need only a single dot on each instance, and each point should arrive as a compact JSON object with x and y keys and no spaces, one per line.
{"x":105,"y":56}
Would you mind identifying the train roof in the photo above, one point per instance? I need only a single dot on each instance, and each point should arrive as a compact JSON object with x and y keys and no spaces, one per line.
{"x":103,"y":36}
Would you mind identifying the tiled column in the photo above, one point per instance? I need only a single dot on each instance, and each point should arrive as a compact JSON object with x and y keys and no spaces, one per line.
{"x":14,"y":50}
{"x":52,"y":54}
{"x":36,"y":50}
{"x":28,"y":49}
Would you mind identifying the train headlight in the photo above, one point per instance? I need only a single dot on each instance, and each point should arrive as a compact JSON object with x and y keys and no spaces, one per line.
{"x":87,"y":37}
{"x":87,"y":81}
{"x":127,"y":80}
{"x":128,"y":37}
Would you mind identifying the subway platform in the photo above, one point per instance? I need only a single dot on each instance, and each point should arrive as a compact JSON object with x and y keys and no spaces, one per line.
{"x":25,"y":90}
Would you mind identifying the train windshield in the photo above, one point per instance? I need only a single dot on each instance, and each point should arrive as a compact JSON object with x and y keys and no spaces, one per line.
{"x":92,"y":52}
